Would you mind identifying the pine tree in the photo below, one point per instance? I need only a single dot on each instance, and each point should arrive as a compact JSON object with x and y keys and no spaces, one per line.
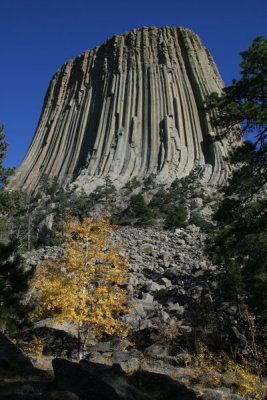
{"x":241,"y":243}
{"x":14,"y":281}
{"x":5,"y":172}
{"x":9,"y":201}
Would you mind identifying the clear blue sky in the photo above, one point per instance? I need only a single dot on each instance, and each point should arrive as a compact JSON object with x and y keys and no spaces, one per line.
{"x":38,"y":36}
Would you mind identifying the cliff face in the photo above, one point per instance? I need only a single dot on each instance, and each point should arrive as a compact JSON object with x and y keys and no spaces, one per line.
{"x":129,"y":108}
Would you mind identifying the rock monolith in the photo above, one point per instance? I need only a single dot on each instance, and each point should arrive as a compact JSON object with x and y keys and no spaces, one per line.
{"x":129,"y":108}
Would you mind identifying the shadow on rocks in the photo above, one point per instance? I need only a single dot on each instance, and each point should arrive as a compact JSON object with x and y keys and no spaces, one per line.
{"x":101,"y":382}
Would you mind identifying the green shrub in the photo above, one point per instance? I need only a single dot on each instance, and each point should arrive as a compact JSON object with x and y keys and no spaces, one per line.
{"x":177,"y":218}
{"x":133,"y":184}
{"x":140,"y":210}
{"x":150,"y":182}
{"x":201,"y":223}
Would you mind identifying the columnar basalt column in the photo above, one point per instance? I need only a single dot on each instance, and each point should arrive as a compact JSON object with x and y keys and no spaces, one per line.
{"x":129,"y":108}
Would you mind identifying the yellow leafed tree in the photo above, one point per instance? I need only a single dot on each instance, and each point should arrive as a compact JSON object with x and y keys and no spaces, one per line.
{"x":85,"y":286}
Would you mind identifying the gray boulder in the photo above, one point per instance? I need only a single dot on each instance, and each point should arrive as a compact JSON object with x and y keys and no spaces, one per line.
{"x":72,"y":377}
{"x":12,"y":360}
{"x":116,"y":378}
{"x":157,"y":350}
{"x":161,"y":387}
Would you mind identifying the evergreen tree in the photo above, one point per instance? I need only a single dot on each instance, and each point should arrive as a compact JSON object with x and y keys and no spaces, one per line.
{"x":140,"y":211}
{"x":9,"y":200}
{"x":241,"y":244}
{"x":5,"y":172}
{"x":13,"y":286}
{"x":176,"y":218}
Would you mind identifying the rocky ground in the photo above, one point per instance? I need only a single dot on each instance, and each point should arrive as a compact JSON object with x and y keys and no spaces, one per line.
{"x":87,"y":380}
{"x":172,"y":285}
{"x":176,"y":307}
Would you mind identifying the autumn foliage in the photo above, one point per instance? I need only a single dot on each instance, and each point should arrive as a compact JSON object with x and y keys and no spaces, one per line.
{"x":85,"y":286}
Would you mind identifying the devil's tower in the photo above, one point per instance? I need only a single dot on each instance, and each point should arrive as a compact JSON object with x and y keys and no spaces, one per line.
{"x":129,"y":108}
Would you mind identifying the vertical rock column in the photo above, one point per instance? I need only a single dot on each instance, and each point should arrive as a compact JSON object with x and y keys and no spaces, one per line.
{"x":129,"y":108}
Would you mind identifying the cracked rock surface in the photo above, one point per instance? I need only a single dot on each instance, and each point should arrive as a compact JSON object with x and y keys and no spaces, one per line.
{"x":129,"y":108}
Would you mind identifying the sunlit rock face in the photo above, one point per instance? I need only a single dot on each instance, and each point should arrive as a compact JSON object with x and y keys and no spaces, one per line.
{"x":131,"y":107}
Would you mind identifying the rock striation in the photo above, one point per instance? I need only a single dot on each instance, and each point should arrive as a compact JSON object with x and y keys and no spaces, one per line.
{"x":131,"y":107}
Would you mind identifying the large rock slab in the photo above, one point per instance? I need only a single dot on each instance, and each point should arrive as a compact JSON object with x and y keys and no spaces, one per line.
{"x":162,"y":387}
{"x":99,"y":382}
{"x":12,"y":360}
{"x":71,"y":377}
{"x":116,"y":378}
